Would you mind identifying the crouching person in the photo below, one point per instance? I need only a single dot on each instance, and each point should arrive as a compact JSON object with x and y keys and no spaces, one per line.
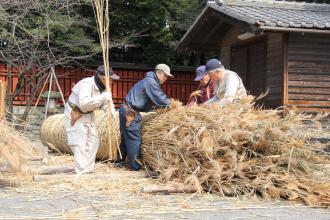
{"x":140,"y":98}
{"x":86,"y":96}
{"x":205,"y":90}
{"x":229,"y":87}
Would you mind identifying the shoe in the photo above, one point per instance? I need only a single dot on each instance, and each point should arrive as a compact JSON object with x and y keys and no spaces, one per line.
{"x":151,"y":174}
{"x":121,"y":164}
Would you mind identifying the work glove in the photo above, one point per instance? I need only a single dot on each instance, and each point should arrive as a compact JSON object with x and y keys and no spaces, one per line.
{"x":196,"y":93}
{"x":113,"y":110}
{"x":106,"y":97}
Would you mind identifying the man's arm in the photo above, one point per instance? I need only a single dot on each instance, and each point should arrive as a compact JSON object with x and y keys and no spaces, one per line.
{"x":212,"y":100}
{"x":230,"y":90}
{"x":156,"y":95}
{"x":87,"y":102}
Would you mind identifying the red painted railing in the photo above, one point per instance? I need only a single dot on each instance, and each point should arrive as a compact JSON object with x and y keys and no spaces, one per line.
{"x":178,"y":88}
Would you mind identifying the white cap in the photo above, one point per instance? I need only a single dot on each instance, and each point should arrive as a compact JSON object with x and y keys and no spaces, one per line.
{"x":164,"y":68}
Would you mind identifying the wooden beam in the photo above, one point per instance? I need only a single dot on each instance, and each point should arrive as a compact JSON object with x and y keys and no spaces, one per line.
{"x":285,"y":70}
{"x":168,"y":189}
{"x":309,"y":103}
{"x":212,"y":31}
{"x":299,"y":30}
{"x":56,"y":170}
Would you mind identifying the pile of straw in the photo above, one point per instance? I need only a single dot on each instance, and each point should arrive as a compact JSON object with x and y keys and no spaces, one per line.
{"x":14,"y":149}
{"x":238,"y":150}
{"x":53,"y":134}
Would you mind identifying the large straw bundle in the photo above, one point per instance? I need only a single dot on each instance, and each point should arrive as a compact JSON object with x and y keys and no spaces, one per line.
{"x":237,"y":150}
{"x":14,"y":149}
{"x":53,"y":134}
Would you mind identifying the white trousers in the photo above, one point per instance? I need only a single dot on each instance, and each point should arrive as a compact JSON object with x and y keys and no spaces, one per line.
{"x":84,"y":143}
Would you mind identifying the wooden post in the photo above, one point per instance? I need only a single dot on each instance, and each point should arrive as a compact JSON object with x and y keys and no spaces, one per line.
{"x":168,"y":189}
{"x":3,"y":86}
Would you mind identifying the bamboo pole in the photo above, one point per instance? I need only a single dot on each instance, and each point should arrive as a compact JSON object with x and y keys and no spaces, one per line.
{"x":101,"y":11}
{"x":3,"y":86}
{"x":49,"y":90}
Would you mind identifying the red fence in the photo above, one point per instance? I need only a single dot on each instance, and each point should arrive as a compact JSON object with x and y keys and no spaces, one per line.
{"x":178,"y":88}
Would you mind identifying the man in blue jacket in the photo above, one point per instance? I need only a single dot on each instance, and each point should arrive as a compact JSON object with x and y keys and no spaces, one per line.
{"x":144,"y":95}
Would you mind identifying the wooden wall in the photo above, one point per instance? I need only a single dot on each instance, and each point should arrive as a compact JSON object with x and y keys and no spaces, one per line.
{"x":309,"y":72}
{"x":228,"y":41}
{"x":267,"y":59}
{"x":178,"y":88}
{"x":274,"y":70}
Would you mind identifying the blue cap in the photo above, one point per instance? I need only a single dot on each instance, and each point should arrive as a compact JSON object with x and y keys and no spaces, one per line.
{"x":200,"y":73}
{"x":213,"y":64}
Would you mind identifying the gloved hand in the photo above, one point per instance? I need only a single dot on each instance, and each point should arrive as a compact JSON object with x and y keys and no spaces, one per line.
{"x":113,"y":110}
{"x":196,"y":93}
{"x":106,"y":97}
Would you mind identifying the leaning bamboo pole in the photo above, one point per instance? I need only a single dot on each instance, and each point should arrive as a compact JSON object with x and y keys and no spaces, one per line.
{"x":101,"y":11}
{"x":3,"y":86}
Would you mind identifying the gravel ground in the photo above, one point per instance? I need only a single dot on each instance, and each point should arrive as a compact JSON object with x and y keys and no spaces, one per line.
{"x":113,"y":193}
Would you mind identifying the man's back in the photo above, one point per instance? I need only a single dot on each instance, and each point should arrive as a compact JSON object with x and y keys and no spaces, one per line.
{"x":145,"y":93}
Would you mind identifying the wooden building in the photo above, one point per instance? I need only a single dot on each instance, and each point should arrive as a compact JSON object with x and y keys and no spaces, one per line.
{"x":284,"y":46}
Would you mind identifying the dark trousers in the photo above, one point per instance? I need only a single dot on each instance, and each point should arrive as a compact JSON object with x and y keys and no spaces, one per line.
{"x":130,"y":145}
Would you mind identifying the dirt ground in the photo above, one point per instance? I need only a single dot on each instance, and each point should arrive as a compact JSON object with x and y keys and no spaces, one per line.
{"x":115,"y":193}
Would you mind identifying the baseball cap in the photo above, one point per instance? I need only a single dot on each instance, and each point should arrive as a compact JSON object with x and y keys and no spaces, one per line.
{"x":112,"y":75}
{"x":200,"y":73}
{"x":164,"y":68}
{"x":213,"y":64}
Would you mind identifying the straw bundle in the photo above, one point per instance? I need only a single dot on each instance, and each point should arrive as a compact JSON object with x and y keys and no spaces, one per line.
{"x":53,"y":134}
{"x":14,"y":149}
{"x":237,"y":150}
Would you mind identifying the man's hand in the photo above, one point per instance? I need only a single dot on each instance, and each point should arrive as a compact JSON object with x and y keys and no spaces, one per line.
{"x":106,"y":97}
{"x":196,"y":93}
{"x":113,"y":110}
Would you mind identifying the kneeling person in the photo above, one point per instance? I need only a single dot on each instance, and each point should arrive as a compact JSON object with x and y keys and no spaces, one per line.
{"x":229,"y":87}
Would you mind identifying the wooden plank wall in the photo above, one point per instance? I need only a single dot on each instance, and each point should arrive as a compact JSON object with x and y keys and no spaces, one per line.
{"x":228,"y":41}
{"x":309,"y":72}
{"x":178,"y":88}
{"x":274,"y":70}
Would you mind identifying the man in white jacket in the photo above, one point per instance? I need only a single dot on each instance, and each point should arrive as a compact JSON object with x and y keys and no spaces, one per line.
{"x":87,"y":95}
{"x":229,"y":87}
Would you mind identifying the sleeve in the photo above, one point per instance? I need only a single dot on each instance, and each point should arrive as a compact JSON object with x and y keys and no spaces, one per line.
{"x":230,"y":91}
{"x":156,"y":94}
{"x":212,"y":100}
{"x":215,"y":98}
{"x":86,"y":101}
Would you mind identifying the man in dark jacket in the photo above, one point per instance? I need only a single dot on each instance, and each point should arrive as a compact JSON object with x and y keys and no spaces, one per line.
{"x":141,"y":98}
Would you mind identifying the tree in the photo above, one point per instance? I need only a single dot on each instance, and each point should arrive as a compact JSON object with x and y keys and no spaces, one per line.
{"x":162,"y":23}
{"x":39,"y":35}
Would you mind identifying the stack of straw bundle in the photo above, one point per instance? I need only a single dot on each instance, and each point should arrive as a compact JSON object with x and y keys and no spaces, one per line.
{"x":53,"y":134}
{"x":14,"y":149}
{"x":237,"y":150}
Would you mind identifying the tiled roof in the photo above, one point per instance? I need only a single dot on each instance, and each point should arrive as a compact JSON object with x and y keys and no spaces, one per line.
{"x":268,"y":13}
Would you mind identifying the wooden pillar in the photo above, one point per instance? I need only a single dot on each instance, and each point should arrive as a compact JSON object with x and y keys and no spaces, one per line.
{"x":3,"y":86}
{"x":285,"y":89}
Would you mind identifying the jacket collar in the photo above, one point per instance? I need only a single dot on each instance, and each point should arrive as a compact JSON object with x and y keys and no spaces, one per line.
{"x":152,"y":74}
